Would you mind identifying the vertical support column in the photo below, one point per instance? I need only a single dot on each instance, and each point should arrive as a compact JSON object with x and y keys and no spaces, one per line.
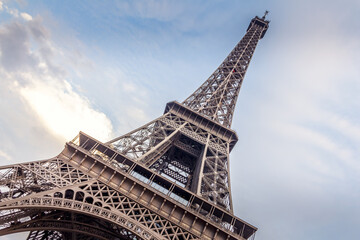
{"x":198,"y":173}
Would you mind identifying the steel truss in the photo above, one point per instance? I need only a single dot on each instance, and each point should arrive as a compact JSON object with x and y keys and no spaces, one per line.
{"x":168,"y":179}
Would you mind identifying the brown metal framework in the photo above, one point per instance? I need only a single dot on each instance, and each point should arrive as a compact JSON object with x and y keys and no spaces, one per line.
{"x":168,"y":179}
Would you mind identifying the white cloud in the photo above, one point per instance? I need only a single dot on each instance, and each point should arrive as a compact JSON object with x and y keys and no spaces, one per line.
{"x":26,"y":16}
{"x":1,"y":6}
{"x":29,"y":59}
{"x":63,"y":111}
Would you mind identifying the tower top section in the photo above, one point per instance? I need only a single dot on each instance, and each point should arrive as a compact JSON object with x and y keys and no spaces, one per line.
{"x":216,"y":97}
{"x":260,"y":22}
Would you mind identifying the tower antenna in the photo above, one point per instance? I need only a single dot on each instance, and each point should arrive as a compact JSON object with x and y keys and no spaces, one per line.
{"x":265,"y":14}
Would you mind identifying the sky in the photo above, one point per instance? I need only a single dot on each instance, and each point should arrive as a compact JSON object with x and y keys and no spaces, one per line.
{"x":107,"y":67}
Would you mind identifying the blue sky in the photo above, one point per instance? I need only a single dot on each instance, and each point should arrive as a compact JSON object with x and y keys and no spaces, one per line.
{"x":107,"y":68}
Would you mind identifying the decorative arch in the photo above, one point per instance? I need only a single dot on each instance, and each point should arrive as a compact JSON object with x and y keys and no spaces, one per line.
{"x":71,"y":205}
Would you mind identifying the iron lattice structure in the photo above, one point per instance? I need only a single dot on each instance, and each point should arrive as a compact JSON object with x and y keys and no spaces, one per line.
{"x":168,"y":179}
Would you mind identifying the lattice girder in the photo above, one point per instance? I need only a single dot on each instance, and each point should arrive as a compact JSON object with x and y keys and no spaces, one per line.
{"x":23,"y":179}
{"x":138,"y":142}
{"x":45,"y":235}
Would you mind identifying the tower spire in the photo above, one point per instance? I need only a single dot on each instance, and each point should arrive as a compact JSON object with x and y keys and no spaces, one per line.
{"x":216,"y":97}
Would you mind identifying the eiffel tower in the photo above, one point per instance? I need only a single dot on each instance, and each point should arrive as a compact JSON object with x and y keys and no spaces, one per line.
{"x":168,"y":179}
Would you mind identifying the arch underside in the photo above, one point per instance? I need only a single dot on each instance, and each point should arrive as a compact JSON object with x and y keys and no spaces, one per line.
{"x":58,"y":224}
